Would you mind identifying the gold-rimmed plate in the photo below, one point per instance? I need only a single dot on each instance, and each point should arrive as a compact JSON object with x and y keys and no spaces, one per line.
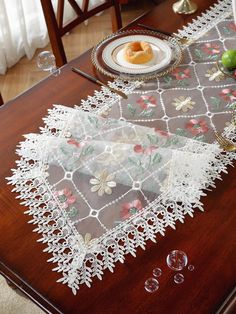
{"x":108,"y":56}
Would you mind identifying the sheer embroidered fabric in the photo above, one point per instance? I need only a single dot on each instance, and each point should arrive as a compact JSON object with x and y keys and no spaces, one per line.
{"x":101,"y":182}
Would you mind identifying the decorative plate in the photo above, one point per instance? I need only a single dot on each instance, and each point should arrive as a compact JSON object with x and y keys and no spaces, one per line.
{"x":108,"y":55}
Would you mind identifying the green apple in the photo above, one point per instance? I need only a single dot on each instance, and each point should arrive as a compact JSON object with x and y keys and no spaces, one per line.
{"x":229,"y":59}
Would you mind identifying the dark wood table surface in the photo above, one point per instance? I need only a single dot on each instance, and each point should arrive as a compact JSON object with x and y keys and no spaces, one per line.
{"x":208,"y":239}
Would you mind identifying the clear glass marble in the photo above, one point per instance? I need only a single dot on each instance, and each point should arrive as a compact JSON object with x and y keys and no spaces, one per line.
{"x":177,"y":260}
{"x":179,"y":278}
{"x":157,"y":272}
{"x":46,"y":62}
{"x":151,"y":285}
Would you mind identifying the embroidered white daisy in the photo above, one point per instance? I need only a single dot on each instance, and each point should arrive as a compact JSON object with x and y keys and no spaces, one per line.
{"x":183,"y":103}
{"x":102,"y":182}
{"x":214,"y":74}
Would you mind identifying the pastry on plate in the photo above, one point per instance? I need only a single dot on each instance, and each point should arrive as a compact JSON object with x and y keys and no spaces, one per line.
{"x":138,"y":52}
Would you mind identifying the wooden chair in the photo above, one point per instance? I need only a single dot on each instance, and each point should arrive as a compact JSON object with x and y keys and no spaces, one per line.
{"x":1,"y":100}
{"x":55,"y":26}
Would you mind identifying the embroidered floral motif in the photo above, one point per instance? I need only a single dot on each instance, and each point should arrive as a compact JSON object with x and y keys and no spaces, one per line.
{"x":181,"y":74}
{"x":65,"y":197}
{"x":183,"y":103}
{"x":197,"y":126}
{"x":229,"y":28}
{"x":129,"y":209}
{"x":214,"y":74}
{"x":146,"y":101}
{"x":87,"y":239}
{"x":102,"y":183}
{"x":162,"y":133}
{"x":75,"y":143}
{"x":144,"y":150}
{"x":232,"y":26}
{"x":211,"y":49}
{"x":208,"y":51}
{"x":178,"y":77}
{"x":109,"y":159}
{"x":216,"y":102}
{"x":125,"y":137}
{"x":228,"y":94}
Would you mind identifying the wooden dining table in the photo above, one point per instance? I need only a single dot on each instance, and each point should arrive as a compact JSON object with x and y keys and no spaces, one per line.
{"x":209,"y":239}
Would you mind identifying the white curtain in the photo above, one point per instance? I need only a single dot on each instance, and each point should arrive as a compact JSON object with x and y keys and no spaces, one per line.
{"x":23,"y":29}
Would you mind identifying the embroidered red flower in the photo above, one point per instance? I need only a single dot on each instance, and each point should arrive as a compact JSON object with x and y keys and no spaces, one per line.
{"x":144,"y":150}
{"x":129,"y":209}
{"x":211,"y":49}
{"x":162,"y":133}
{"x":228,"y":94}
{"x":146,"y":101}
{"x":72,"y":141}
{"x":65,"y":197}
{"x":232,"y":26}
{"x":197,"y":126}
{"x":181,"y":74}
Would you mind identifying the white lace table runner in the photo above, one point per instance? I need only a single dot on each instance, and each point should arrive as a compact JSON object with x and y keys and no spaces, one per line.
{"x":102,"y":179}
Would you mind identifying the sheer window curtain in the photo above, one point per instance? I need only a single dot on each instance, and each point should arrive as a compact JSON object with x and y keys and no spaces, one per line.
{"x":23,"y":29}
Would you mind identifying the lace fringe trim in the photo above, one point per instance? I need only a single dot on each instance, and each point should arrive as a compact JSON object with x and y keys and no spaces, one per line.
{"x":203,"y":23}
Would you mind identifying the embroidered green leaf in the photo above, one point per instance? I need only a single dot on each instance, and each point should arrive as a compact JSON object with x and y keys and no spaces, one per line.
{"x":131,"y":109}
{"x":157,"y":158}
{"x":112,"y":121}
{"x":167,"y":79}
{"x":181,"y":132}
{"x":174,"y":140}
{"x":152,"y":139}
{"x":182,"y":83}
{"x":226,"y":30}
{"x":231,"y":106}
{"x":146,"y":113}
{"x":215,"y":102}
{"x":73,"y":212}
{"x":200,"y":138}
{"x":87,"y":150}
{"x":64,"y":151}
{"x":213,"y":57}
{"x":62,"y":198}
{"x":198,"y":53}
{"x":135,"y":162}
{"x":93,"y":120}
{"x":171,"y":141}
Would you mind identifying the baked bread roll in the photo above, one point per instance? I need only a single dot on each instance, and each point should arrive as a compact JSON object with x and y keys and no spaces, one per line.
{"x":138,"y":52}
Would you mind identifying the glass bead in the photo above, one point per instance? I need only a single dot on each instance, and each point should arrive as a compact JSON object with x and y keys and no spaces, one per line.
{"x":177,"y":260}
{"x":151,"y":285}
{"x":157,"y":272}
{"x":178,"y":278}
{"x":46,"y":60}
{"x":191,"y":267}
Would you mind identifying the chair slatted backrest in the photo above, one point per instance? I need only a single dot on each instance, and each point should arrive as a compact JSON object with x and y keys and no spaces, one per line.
{"x":56,"y":28}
